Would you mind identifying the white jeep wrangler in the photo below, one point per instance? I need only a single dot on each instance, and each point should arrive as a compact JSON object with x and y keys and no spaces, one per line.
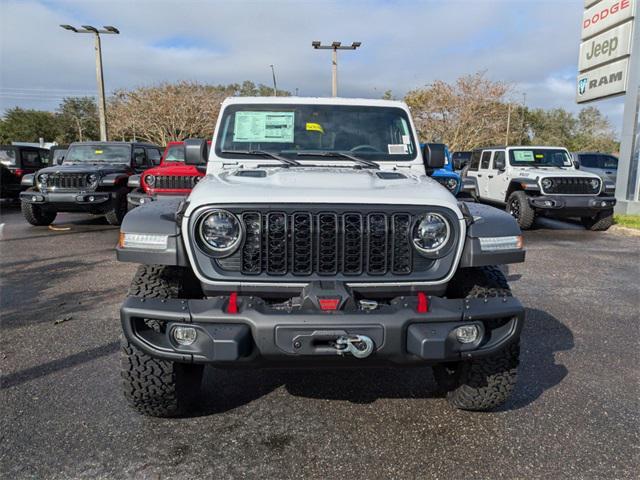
{"x":532,"y":181}
{"x":315,"y":239}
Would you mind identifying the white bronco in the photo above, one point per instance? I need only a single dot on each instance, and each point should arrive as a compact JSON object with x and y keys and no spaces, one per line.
{"x":534,"y":180}
{"x":316,"y":239}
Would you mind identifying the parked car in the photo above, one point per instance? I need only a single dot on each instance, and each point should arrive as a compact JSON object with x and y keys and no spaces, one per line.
{"x":446,"y":176}
{"x":602,"y":164}
{"x":15,"y":163}
{"x":92,"y":178}
{"x":317,"y":240}
{"x":170,"y":179}
{"x":460,"y":160}
{"x":532,"y":180}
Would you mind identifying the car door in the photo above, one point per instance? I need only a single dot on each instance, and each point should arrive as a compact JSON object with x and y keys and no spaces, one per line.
{"x":589,"y":162}
{"x":154,"y":156}
{"x":497,"y":179}
{"x":609,"y":166}
{"x":483,"y":171}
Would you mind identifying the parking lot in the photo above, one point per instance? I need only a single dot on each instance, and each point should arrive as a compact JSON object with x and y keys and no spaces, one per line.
{"x":575,"y":412}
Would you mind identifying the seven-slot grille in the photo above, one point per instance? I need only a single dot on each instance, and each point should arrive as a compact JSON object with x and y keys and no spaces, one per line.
{"x":175,"y":182}
{"x":571,"y":186}
{"x":67,"y":181}
{"x":326,"y":243}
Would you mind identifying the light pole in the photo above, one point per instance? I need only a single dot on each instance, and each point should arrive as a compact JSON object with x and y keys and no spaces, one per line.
{"x":275,"y":88}
{"x":102,"y":106}
{"x":335,"y":46}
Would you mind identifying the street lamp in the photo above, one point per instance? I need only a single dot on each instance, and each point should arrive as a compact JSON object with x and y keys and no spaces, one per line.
{"x":275,"y":88}
{"x":335,"y":46}
{"x":102,"y":108}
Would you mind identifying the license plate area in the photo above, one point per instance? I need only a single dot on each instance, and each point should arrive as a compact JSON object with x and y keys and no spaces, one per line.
{"x":318,"y":341}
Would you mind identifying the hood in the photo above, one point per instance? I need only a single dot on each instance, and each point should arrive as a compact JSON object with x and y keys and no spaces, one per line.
{"x":532,"y":172}
{"x":320,"y":185}
{"x":174,"y":168}
{"x":88,"y":168}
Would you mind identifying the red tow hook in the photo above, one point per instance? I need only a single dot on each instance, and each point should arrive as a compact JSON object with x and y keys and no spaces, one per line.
{"x":423,"y":303}
{"x":232,"y":306}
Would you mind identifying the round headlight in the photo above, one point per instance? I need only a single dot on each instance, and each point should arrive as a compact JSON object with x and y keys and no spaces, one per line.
{"x":595,"y":184}
{"x":430,"y":233}
{"x":547,"y":183}
{"x":92,"y":178}
{"x":150,"y":179}
{"x":220,"y":231}
{"x":42,"y":178}
{"x":452,"y":183}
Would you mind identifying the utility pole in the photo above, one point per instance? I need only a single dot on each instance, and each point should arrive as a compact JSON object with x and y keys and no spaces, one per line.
{"x":335,"y":46}
{"x":102,"y":105}
{"x":524,"y":110}
{"x":506,"y":140}
{"x":275,"y":88}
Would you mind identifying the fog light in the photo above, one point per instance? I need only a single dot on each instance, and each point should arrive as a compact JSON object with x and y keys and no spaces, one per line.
{"x":467,"y":333}
{"x":141,"y":201}
{"x":34,"y":198}
{"x":92,"y":198}
{"x":604,"y":204}
{"x":185,"y":335}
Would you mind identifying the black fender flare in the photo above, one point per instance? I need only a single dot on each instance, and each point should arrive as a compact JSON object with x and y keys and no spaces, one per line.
{"x":528,"y":185}
{"x":113,"y":179}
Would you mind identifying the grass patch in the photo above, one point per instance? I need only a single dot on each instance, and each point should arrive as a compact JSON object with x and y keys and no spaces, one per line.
{"x":630,"y":221}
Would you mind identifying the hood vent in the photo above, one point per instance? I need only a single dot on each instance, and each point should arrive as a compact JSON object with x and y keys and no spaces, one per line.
{"x":390,"y":175}
{"x":251,"y":173}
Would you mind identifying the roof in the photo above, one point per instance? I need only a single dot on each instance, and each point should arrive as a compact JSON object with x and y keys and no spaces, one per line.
{"x":315,"y":101}
{"x":97,"y":142}
{"x":538,"y":147}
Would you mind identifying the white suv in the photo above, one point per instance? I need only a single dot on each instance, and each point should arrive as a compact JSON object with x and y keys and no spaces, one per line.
{"x":533,"y":180}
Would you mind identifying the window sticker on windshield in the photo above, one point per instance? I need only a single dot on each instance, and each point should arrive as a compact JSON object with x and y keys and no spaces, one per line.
{"x":397,"y":149}
{"x":539,"y":155}
{"x":406,"y":139}
{"x":314,"y":127}
{"x":523,"y":156}
{"x":98,"y":152}
{"x":264,"y":127}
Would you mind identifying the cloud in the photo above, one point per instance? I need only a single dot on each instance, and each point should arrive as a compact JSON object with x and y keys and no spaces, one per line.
{"x":405,"y":44}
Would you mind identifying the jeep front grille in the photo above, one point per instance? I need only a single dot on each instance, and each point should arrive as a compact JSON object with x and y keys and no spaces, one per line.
{"x":324,"y":243}
{"x":570,"y":186}
{"x":67,"y":181}
{"x":176,"y":182}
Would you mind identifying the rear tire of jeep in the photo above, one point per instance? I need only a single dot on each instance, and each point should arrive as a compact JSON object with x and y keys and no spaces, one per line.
{"x":601,"y":222}
{"x":119,"y":209}
{"x":518,"y":206}
{"x":484,"y":383}
{"x":158,"y":388}
{"x":36,"y":215}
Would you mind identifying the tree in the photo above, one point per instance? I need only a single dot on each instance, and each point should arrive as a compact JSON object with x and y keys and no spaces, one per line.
{"x":20,"y":125}
{"x":78,"y":119}
{"x":470,"y":113}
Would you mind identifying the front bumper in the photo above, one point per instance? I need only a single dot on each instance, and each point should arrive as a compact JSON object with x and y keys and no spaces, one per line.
{"x":260,"y":334}
{"x":139,"y":197}
{"x":570,"y":206}
{"x":75,"y":200}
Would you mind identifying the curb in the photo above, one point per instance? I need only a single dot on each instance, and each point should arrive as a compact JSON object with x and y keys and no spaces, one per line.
{"x":626,"y":231}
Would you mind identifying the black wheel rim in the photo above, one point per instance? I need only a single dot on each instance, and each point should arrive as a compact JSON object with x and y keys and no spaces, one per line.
{"x":514,"y":208}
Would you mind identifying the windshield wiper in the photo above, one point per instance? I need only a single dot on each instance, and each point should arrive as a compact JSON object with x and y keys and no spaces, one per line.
{"x":353,"y":158}
{"x":264,"y":153}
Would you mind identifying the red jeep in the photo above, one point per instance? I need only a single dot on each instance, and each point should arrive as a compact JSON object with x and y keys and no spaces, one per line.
{"x":169,"y":179}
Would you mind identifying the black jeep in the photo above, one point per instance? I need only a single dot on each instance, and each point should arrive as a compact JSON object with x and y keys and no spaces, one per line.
{"x":92,"y":178}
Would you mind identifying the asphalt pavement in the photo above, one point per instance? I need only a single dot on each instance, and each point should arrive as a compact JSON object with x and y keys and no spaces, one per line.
{"x":575,"y":412}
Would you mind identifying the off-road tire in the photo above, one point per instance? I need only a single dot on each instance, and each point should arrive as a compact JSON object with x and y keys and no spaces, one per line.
{"x":36,"y":215}
{"x":518,"y":206}
{"x":155,"y":387}
{"x":119,"y":208}
{"x":601,"y":222}
{"x":484,"y":383}
{"x":152,"y":386}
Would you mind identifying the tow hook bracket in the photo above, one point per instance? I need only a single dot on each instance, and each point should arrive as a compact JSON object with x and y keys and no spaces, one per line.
{"x":360,"y":346}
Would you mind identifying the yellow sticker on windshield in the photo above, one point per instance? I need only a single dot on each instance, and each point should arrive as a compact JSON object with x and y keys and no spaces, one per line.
{"x":98,"y":152}
{"x":539,"y":155}
{"x":314,"y":127}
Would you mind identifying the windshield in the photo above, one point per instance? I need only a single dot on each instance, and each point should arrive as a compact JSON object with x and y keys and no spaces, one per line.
{"x":372,"y":133}
{"x":175,"y":153}
{"x":98,"y":153}
{"x":7,"y":157}
{"x":533,"y":157}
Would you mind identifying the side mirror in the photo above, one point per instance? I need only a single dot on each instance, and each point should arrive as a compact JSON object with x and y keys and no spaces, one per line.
{"x":433,"y":155}
{"x":196,"y":152}
{"x":60,"y":160}
{"x":498,"y":163}
{"x":576,"y":164}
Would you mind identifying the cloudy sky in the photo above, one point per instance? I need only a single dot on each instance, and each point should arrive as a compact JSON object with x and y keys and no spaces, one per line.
{"x":405,"y":44}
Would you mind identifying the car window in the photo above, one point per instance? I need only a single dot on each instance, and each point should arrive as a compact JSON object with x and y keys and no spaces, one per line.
{"x":30,"y":159}
{"x":175,"y":154}
{"x":474,"y":163}
{"x":497,"y":156}
{"x":589,"y":161}
{"x":139,"y":157}
{"x":153,"y":154}
{"x":608,"y":162}
{"x":8,"y":157}
{"x":486,"y":158}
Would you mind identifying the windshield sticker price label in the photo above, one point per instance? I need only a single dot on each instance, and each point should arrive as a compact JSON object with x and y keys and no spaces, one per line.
{"x":275,"y":127}
{"x":98,"y":152}
{"x":523,"y":156}
{"x":314,"y":127}
{"x":397,"y":149}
